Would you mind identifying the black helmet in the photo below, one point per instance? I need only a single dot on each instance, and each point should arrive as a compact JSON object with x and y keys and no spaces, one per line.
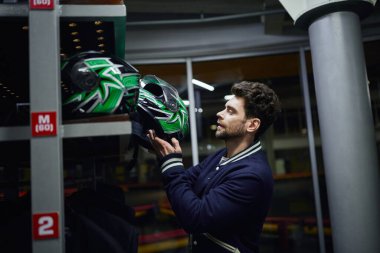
{"x":159,"y":107}
{"x":96,"y":83}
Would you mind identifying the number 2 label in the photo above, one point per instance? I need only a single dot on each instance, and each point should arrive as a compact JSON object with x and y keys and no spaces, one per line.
{"x":45,"y":226}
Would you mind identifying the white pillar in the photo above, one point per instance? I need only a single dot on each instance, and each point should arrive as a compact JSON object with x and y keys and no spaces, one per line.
{"x":345,"y":117}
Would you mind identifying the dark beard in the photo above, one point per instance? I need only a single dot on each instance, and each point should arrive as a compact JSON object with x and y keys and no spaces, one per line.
{"x":231,"y":134}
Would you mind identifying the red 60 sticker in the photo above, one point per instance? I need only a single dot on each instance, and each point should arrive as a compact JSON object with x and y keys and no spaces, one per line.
{"x":41,"y":4}
{"x":45,"y":226}
{"x":44,"y":124}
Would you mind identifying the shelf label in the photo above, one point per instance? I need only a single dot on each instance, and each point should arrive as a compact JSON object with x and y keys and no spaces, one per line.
{"x":41,"y":4}
{"x":45,"y":226}
{"x":44,"y":124}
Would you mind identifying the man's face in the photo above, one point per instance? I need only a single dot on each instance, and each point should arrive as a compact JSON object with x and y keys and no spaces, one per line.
{"x":231,"y":121}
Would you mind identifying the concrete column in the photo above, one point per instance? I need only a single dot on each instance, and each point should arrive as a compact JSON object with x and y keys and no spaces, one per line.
{"x":347,"y":131}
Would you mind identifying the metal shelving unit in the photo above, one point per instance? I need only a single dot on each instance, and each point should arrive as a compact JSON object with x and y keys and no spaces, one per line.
{"x":18,"y":133}
{"x":46,"y":152}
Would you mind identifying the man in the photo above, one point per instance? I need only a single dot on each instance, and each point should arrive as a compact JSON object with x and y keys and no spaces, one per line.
{"x":223,"y":201}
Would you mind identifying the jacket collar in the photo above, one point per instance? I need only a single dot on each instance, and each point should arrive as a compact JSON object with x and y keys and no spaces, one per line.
{"x":247,"y":152}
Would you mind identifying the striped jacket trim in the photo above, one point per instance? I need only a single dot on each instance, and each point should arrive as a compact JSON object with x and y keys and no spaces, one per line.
{"x":222,"y":244}
{"x":247,"y":152}
{"x":171,"y":162}
{"x":176,"y":159}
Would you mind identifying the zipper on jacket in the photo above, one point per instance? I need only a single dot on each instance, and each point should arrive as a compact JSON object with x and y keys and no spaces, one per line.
{"x":222,"y":244}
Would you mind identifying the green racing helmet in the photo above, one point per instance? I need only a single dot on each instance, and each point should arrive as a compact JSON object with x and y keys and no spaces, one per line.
{"x":96,"y":83}
{"x":160,"y":108}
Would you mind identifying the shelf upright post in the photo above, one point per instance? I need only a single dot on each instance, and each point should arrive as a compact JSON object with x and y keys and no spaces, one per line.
{"x":46,"y":128}
{"x":312,"y":151}
{"x":193,"y":122}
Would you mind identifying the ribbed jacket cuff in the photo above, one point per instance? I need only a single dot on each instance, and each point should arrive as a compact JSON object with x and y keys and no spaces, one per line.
{"x":170,"y":161}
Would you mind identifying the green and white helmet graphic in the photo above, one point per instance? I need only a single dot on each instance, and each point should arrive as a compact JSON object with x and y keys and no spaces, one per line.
{"x":97,"y":83}
{"x":161,"y":108}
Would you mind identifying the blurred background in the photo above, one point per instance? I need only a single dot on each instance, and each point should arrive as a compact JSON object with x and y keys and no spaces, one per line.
{"x":224,"y":42}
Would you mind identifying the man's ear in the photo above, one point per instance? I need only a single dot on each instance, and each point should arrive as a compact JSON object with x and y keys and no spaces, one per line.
{"x":253,"y":125}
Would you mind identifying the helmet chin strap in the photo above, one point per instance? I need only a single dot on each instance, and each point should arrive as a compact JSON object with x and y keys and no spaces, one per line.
{"x":133,"y":161}
{"x":138,"y":137}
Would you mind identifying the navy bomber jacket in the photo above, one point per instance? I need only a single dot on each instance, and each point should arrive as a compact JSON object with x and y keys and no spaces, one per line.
{"x":222,"y":203}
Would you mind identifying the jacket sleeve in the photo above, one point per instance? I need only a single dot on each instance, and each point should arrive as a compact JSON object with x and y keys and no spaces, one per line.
{"x":175,"y":161}
{"x":226,"y":206}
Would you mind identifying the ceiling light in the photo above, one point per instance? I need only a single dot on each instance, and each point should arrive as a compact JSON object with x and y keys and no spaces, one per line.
{"x":98,"y":22}
{"x":100,"y":38}
{"x":78,"y":47}
{"x":74,"y":33}
{"x":186,"y":102}
{"x":99,"y":31}
{"x":101,"y":45}
{"x":76,"y":40}
{"x":203,"y":85}
{"x":72,"y":25}
{"x":228,"y":97}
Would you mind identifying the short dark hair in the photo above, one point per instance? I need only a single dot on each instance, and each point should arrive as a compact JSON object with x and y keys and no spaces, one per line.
{"x":260,"y":102}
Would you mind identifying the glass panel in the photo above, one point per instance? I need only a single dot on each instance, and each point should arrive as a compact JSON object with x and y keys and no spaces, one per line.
{"x":155,"y":220}
{"x":371,"y":50}
{"x":291,"y":223}
{"x":14,"y":73}
{"x":15,"y":197}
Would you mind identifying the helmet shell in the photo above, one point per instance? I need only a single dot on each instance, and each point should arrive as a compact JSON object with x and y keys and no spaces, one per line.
{"x":160,"y":107}
{"x":98,"y":83}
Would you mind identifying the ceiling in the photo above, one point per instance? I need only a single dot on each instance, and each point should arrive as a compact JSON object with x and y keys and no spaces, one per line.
{"x":273,"y":14}
{"x":270,"y":13}
{"x":227,"y":41}
{"x":223,"y":38}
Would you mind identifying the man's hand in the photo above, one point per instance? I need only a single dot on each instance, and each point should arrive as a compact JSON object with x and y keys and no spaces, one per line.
{"x":162,"y":147}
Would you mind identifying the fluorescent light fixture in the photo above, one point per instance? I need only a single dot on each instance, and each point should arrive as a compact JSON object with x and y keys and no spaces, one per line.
{"x":203,"y":85}
{"x":186,"y":102}
{"x":228,"y":97}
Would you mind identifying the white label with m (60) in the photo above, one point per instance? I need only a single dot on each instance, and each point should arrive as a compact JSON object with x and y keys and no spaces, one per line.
{"x":41,"y":4}
{"x":44,"y":124}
